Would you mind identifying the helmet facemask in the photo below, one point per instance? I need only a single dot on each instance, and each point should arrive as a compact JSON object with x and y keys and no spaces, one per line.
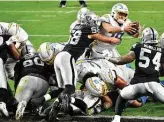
{"x":96,"y":86}
{"x":121,"y":17}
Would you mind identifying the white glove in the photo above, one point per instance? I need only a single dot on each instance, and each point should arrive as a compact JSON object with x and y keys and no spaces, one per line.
{"x":12,"y":39}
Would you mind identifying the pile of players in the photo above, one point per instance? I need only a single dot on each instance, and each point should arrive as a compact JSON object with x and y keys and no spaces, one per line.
{"x":89,"y":57}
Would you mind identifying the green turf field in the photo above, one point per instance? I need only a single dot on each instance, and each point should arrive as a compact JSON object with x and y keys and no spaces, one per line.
{"x":44,"y":21}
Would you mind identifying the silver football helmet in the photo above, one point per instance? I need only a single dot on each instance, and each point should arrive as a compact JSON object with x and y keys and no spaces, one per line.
{"x":162,"y":40}
{"x":91,"y":19}
{"x":122,"y":8}
{"x":81,"y":13}
{"x":149,"y":36}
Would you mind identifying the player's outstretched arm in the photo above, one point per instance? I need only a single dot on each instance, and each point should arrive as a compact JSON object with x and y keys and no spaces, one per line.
{"x":123,"y":59}
{"x":113,"y":29}
{"x":100,"y":37}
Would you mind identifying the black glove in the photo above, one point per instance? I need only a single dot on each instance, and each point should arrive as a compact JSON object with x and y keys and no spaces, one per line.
{"x":88,"y":52}
{"x":38,"y":101}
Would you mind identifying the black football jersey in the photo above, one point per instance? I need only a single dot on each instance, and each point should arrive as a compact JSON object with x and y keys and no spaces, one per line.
{"x":30,"y":65}
{"x":79,"y":40}
{"x":148,"y":60}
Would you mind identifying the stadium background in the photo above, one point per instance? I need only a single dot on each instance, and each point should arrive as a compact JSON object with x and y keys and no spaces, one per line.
{"x":45,"y":21}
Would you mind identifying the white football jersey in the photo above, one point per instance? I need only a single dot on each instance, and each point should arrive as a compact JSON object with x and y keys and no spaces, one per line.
{"x":101,"y":48}
{"x":14,"y":29}
{"x":106,"y":70}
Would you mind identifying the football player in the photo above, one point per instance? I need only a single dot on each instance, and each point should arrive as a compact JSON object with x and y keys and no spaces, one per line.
{"x":12,"y":37}
{"x":82,"y":35}
{"x":13,"y":30}
{"x":80,"y":17}
{"x":31,"y":76}
{"x":148,"y":61}
{"x":115,"y":25}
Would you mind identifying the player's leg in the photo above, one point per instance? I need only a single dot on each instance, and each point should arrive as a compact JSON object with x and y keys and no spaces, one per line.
{"x":9,"y":66}
{"x":128,"y":93}
{"x":156,"y":89}
{"x":62,"y":3}
{"x":24,"y":92}
{"x":66,"y":64}
{"x":83,"y":3}
{"x":41,"y":89}
{"x":3,"y":89}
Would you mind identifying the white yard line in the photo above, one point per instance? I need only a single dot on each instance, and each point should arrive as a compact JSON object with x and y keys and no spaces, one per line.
{"x":28,"y":20}
{"x":48,"y":16}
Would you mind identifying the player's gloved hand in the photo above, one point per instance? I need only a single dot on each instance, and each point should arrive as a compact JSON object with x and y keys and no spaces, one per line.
{"x":38,"y":101}
{"x":88,"y":52}
{"x":129,"y":29}
{"x":12,"y":40}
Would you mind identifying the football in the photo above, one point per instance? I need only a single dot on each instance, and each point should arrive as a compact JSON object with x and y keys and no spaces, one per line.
{"x":136,"y":26}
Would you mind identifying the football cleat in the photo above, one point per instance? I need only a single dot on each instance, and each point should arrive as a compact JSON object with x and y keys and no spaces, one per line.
{"x":115,"y":121}
{"x":116,"y":118}
{"x":65,"y":100}
{"x":20,"y":110}
{"x":55,"y":108}
{"x":3,"y":109}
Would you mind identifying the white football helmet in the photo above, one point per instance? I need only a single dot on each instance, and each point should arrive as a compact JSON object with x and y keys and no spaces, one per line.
{"x":122,"y":8}
{"x":96,"y":86}
{"x":46,"y":53}
{"x":162,"y":40}
{"x":81,"y":13}
{"x":149,"y":36}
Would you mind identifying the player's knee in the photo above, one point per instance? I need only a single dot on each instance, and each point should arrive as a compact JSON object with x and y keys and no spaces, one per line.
{"x":126,"y":93}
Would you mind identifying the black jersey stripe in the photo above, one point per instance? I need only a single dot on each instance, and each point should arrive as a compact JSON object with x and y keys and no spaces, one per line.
{"x":73,"y":70}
